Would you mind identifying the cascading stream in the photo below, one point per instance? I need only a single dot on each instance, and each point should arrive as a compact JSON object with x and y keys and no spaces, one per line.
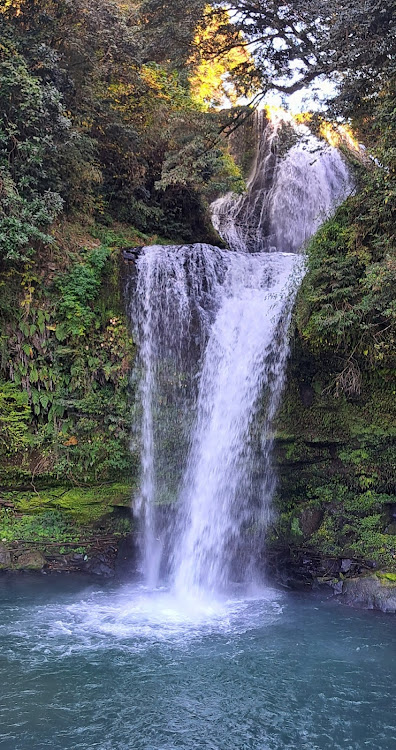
{"x":288,"y":196}
{"x":212,"y":328}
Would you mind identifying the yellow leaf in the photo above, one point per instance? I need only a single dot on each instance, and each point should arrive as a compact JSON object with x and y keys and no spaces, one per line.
{"x":72,"y":441}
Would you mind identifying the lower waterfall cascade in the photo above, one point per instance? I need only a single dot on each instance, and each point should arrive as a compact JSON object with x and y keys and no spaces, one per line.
{"x":212,"y":332}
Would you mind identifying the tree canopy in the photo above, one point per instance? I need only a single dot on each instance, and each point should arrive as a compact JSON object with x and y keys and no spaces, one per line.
{"x":295,"y":44}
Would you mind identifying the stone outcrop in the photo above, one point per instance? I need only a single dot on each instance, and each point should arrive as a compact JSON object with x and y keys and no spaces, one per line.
{"x":371,"y":592}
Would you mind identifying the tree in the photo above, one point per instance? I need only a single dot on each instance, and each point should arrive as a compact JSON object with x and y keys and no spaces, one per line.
{"x":33,"y":122}
{"x":297,"y":44}
{"x":212,"y":81}
{"x":168,"y":29}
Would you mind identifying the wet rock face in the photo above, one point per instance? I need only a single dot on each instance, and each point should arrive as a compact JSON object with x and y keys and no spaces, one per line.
{"x":96,"y":562}
{"x":5,"y":558}
{"x":370,"y":592}
{"x":126,"y":562}
{"x":101,"y":564}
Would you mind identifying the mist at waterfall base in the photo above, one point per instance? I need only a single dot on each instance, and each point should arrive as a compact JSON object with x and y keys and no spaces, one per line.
{"x":203,"y":653}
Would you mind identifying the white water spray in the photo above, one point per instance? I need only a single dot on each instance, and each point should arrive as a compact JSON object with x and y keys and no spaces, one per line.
{"x":226,"y":497}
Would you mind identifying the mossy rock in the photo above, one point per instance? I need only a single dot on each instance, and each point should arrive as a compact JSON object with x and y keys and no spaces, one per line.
{"x":387,"y":579}
{"x":31,"y":560}
{"x":84,"y":505}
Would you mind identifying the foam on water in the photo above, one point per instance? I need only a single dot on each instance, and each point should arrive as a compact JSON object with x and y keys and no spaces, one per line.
{"x":138,"y":618}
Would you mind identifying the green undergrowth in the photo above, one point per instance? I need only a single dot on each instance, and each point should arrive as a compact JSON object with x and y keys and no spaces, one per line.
{"x":54,"y":528}
{"x":346,"y":306}
{"x":66,"y":355}
{"x":65,"y":515}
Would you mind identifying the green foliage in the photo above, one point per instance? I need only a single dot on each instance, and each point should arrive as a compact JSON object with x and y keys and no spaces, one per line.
{"x":105,"y":112}
{"x":347,"y":301}
{"x":192,"y":164}
{"x":298,"y":44}
{"x":32,"y":117}
{"x":169,"y":28}
{"x":78,"y":289}
{"x":326,"y":539}
{"x":295,"y":529}
{"x":68,"y":352}
{"x":15,"y":415}
{"x":346,"y":306}
{"x":56,"y":527}
{"x":50,"y":526}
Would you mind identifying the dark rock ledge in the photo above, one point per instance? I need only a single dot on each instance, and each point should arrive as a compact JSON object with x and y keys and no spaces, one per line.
{"x":107,"y":558}
{"x":355,"y":583}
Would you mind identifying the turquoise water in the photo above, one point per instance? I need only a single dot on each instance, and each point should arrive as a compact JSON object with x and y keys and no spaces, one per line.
{"x":85,"y":665}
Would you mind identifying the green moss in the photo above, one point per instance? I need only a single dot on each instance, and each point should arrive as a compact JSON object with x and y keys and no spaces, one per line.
{"x":55,"y":527}
{"x":70,"y":518}
{"x":388,"y":579}
{"x":84,"y":505}
{"x":338,"y":455}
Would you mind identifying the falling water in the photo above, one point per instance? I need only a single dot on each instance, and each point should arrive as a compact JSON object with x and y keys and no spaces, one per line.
{"x":211,"y":327}
{"x":229,"y":479}
{"x":287,"y":198}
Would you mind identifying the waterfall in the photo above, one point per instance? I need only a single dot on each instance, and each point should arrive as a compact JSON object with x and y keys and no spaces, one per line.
{"x":288,"y":197}
{"x":212,"y":332}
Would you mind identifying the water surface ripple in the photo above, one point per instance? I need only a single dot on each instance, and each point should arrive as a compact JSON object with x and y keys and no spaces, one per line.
{"x":113,"y":667}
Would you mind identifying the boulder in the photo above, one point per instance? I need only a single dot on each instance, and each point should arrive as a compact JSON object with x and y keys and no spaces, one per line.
{"x":346,"y":565}
{"x":370,"y":592}
{"x":101,"y":564}
{"x":310,"y":520}
{"x":32,"y":560}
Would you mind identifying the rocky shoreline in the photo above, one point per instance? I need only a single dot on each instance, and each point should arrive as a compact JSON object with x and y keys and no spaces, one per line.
{"x":353,"y":583}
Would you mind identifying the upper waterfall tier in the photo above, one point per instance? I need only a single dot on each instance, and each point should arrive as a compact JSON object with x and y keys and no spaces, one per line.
{"x":288,"y":194}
